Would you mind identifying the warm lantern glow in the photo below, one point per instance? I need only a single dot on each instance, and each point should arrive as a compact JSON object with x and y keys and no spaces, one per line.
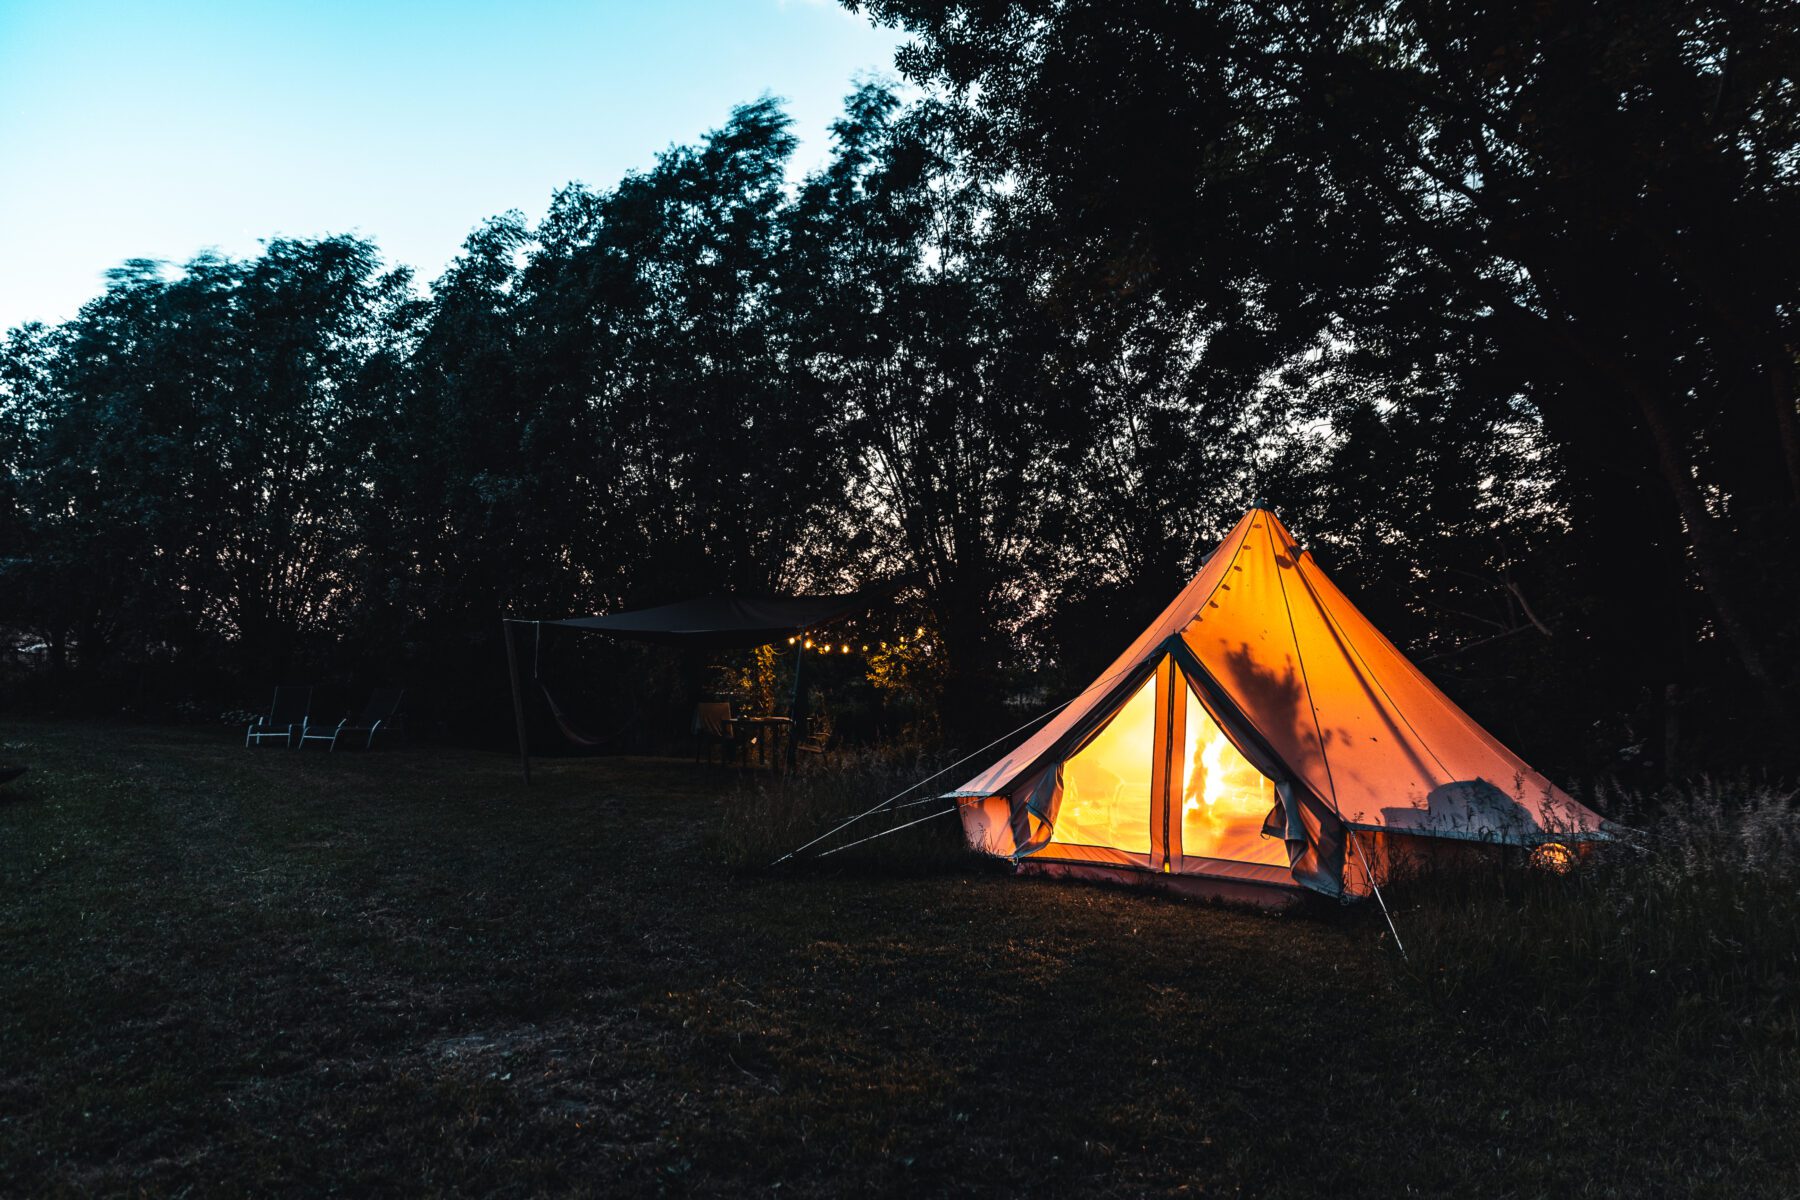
{"x":809,"y":643}
{"x":843,"y":649}
{"x":1554,"y":857}
{"x":1106,"y":786}
{"x":1224,"y":800}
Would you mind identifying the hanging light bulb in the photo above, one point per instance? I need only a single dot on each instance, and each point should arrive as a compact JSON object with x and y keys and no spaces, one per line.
{"x":809,"y":643}
{"x":843,"y":649}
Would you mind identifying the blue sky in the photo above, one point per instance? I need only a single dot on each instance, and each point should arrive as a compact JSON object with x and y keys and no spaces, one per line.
{"x":157,"y":128}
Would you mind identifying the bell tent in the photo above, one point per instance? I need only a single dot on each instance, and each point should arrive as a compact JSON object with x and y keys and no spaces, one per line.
{"x":1260,"y":738}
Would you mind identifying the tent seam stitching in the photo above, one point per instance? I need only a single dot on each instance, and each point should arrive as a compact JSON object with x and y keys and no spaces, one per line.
{"x":1300,"y":657}
{"x":1363,"y":663}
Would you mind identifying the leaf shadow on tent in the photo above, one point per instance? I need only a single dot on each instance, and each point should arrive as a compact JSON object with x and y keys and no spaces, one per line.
{"x":1274,"y":701}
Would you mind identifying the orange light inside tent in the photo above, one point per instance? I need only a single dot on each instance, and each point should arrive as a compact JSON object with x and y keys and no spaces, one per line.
{"x":1224,"y":800}
{"x":1106,"y":785}
{"x":1553,"y":857}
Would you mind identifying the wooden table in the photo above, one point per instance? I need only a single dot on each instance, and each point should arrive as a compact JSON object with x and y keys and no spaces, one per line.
{"x":768,"y":731}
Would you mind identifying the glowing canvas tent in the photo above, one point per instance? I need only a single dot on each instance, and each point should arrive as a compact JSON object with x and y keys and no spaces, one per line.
{"x":1260,"y":737}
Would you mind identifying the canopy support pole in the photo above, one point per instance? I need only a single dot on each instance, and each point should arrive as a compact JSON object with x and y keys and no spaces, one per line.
{"x":793,"y":738}
{"x":518,"y":698}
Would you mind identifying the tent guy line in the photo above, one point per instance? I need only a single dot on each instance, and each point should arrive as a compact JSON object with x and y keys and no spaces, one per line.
{"x":1300,"y":659}
{"x":896,"y":829}
{"x":915,"y":786}
{"x":1343,"y":637}
{"x":888,"y":803}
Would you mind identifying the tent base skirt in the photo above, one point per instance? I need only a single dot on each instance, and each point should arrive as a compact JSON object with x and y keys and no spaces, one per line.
{"x":1255,"y":893}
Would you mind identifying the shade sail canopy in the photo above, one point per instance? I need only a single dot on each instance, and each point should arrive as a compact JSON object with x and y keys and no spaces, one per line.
{"x":725,"y":622}
{"x":1262,"y":687}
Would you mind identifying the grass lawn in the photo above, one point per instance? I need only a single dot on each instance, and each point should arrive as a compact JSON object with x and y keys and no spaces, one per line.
{"x":236,"y":972}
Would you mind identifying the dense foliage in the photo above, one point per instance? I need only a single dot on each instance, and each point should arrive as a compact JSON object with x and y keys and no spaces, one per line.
{"x":1496,"y":305}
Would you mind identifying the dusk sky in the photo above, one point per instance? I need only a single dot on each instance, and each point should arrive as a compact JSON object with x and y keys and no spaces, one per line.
{"x":132,"y":130}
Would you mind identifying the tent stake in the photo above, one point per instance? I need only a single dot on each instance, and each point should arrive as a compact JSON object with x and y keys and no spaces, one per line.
{"x":512,"y":675}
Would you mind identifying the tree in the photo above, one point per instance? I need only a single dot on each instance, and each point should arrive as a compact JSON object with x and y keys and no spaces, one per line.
{"x":194,"y":465}
{"x":942,"y":363}
{"x":1601,"y":193}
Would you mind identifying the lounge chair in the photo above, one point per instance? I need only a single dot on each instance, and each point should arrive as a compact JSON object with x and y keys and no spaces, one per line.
{"x":380,"y":715}
{"x":286,"y":718}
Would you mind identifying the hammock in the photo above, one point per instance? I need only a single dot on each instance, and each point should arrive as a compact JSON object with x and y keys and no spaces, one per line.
{"x":564,"y":725}
{"x":587,"y":741}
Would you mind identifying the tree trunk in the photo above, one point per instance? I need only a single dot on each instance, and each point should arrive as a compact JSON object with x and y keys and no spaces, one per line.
{"x":1787,"y":419}
{"x":971,"y":706}
{"x":1711,"y":555}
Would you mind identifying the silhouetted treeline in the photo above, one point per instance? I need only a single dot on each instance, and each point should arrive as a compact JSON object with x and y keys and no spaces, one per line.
{"x":1496,"y":305}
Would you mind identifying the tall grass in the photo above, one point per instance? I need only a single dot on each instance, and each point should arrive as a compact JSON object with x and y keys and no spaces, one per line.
{"x":768,"y":816}
{"x":1686,"y":929}
{"x":1690,"y":927}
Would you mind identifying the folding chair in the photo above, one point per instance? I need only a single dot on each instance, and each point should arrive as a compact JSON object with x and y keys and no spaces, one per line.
{"x":286,"y":716}
{"x":380,"y":715}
